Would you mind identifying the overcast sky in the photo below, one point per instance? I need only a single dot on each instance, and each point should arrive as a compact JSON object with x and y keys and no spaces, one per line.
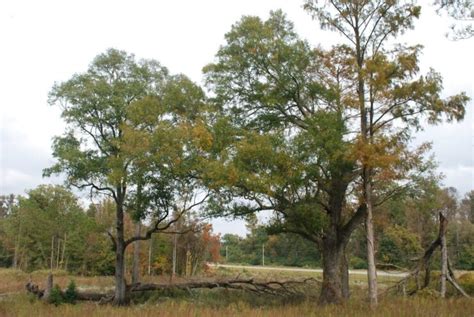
{"x":47,"y":41}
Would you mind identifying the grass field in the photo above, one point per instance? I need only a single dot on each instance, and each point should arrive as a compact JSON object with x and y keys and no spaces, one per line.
{"x":15,"y":302}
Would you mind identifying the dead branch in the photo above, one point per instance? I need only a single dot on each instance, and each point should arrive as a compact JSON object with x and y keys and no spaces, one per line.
{"x":424,"y":265}
{"x":272,"y":287}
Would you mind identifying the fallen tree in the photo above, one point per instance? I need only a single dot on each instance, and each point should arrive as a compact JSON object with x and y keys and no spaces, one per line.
{"x":285,"y":288}
{"x":423,"y":266}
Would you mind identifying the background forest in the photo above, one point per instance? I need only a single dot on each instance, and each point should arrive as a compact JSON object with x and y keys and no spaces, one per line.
{"x":49,"y":228}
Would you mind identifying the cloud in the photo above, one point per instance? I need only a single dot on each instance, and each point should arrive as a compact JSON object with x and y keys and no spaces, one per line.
{"x":460,"y":177}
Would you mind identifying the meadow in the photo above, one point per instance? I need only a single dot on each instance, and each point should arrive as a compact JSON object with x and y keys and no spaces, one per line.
{"x":14,"y":301}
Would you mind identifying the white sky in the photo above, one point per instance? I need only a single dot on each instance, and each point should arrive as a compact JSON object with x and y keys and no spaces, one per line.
{"x":47,"y":41}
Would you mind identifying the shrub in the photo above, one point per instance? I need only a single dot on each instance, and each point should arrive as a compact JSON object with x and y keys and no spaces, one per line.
{"x":358,"y":263}
{"x":70,"y":294}
{"x":56,"y":296}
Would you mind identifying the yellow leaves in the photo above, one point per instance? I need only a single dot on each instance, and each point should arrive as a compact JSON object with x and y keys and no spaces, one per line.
{"x":202,"y":137}
{"x":381,"y":153}
{"x":134,"y":142}
{"x":218,"y":174}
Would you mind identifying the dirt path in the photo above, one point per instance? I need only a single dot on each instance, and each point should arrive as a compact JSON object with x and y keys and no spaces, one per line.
{"x":297,"y":269}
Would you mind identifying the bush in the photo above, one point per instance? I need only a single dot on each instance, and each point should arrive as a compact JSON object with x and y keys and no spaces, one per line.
{"x":56,"y":296}
{"x":358,"y":263}
{"x":70,"y":294}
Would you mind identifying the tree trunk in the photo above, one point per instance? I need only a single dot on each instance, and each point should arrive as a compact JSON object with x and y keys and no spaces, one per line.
{"x":49,"y":287}
{"x":332,"y":287}
{"x":371,"y":267}
{"x":17,"y":249}
{"x":345,"y":276}
{"x":136,"y":255}
{"x":63,"y":253}
{"x":150,"y":249}
{"x":58,"y":255}
{"x":52,"y":253}
{"x":175,"y":246}
{"x":444,"y":263}
{"x":120,"y":297}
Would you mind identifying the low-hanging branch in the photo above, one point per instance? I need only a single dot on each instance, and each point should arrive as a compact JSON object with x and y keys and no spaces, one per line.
{"x":156,"y":226}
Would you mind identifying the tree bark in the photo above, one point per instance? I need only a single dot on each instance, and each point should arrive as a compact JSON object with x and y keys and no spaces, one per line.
{"x":150,"y":249}
{"x":332,"y":287}
{"x":49,"y":287}
{"x":444,"y":263}
{"x":269,"y":287}
{"x":175,"y":246}
{"x":120,"y":297}
{"x":371,"y":267}
{"x":63,"y":266}
{"x":136,"y":255}
{"x":345,"y":276}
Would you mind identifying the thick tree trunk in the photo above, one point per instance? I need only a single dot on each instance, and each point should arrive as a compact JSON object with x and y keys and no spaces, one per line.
{"x":332,"y":288}
{"x":345,"y":276}
{"x":136,"y":255}
{"x":120,"y":297}
{"x":335,"y":287}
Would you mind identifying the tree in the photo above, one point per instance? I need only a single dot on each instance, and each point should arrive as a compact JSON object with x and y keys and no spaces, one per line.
{"x":385,"y":90}
{"x":7,"y":205}
{"x":467,"y":206}
{"x":283,"y":145}
{"x":129,"y":137}
{"x":48,"y":229}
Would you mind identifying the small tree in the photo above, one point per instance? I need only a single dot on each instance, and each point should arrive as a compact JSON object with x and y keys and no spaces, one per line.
{"x":70,"y":294}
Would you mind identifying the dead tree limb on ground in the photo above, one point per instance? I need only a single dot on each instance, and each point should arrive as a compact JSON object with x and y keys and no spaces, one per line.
{"x":271,"y":287}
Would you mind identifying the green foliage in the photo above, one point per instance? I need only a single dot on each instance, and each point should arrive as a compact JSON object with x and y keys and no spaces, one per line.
{"x":56,"y":296}
{"x":358,"y":263}
{"x":51,"y":217}
{"x":398,"y":246}
{"x":289,"y":152}
{"x":134,"y":133}
{"x":70,"y":294}
{"x":460,"y":238}
{"x":283,"y":249}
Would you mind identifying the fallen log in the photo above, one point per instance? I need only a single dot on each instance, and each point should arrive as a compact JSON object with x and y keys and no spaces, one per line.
{"x":272,"y":287}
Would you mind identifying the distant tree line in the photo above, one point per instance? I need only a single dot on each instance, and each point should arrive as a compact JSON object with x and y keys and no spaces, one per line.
{"x":49,"y":229}
{"x":404,"y":228}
